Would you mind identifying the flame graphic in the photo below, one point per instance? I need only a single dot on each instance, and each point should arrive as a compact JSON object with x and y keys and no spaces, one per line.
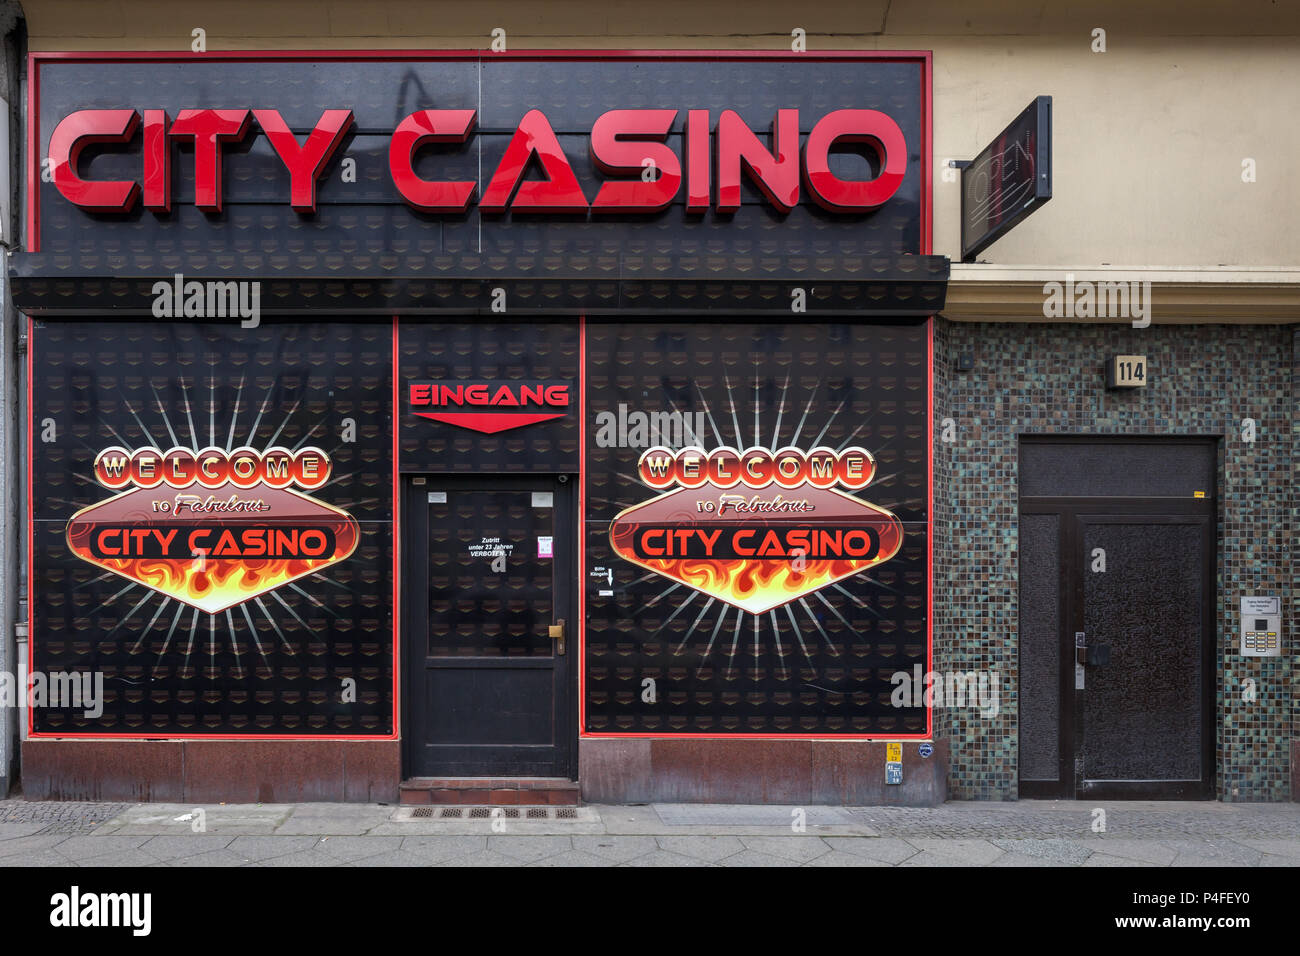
{"x":757,"y":585}
{"x":213,"y":583}
{"x":221,"y":583}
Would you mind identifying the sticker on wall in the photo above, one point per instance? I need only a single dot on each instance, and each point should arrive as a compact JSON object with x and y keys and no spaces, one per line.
{"x":489,"y":547}
{"x":212,"y":528}
{"x":756,"y":529}
{"x":545,"y":547}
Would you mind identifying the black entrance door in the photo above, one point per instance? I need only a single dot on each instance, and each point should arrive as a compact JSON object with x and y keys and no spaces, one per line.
{"x":1117,"y":622}
{"x":1144,"y":633}
{"x":490,"y":626}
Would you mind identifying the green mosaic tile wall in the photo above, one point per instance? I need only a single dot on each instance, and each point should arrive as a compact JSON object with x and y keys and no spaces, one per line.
{"x":1048,"y":379}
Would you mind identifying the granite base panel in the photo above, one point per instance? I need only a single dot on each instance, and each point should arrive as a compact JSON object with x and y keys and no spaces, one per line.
{"x":213,"y":771}
{"x":778,"y":772}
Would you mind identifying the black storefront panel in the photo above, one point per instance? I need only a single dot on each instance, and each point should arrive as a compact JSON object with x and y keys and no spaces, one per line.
{"x":255,"y":602}
{"x":506,"y":348}
{"x":697,"y":621}
{"x":123,"y":204}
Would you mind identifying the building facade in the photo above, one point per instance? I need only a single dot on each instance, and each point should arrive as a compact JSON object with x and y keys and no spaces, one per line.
{"x":427,"y":408}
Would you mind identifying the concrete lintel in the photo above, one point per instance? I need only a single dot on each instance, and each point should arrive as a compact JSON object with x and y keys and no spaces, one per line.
{"x":980,"y":292}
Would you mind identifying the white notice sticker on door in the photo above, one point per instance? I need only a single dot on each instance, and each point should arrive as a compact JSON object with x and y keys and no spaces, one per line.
{"x":545,"y":547}
{"x":437,"y":497}
{"x":543,"y":499}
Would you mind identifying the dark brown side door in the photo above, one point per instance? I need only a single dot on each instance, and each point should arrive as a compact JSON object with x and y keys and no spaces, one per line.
{"x":1117,"y":631}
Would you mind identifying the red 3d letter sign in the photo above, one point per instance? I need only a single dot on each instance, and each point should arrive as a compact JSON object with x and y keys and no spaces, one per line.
{"x":756,"y":529}
{"x":631,"y":148}
{"x":209,"y":130}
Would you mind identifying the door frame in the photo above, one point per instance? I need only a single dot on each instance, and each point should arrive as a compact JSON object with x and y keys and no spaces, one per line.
{"x":565,"y":487}
{"x":1166,"y":510}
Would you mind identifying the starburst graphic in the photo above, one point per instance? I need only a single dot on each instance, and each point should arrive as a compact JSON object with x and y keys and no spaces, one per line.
{"x":758,"y":601}
{"x":198,"y":598}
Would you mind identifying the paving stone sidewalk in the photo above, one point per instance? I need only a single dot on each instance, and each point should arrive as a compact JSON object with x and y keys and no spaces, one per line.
{"x":1026,"y":833}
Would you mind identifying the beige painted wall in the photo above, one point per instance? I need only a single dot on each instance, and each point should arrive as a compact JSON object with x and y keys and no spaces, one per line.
{"x":1149,"y":136}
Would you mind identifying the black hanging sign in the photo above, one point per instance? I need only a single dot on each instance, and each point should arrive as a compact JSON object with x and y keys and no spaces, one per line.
{"x":1008,"y":180}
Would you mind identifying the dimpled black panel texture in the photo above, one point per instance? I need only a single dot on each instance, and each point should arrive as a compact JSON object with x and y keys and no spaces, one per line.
{"x":272,"y":666}
{"x":489,"y":593}
{"x":818,"y":666}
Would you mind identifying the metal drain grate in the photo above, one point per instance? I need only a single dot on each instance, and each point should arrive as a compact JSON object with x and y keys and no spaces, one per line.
{"x":483,"y":813}
{"x":489,"y":813}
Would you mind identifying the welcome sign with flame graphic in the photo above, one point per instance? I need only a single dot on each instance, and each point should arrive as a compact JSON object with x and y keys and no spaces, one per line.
{"x":212,"y":528}
{"x":756,"y":529}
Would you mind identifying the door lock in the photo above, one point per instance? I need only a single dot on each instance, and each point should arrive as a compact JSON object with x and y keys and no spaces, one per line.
{"x":556,"y":632}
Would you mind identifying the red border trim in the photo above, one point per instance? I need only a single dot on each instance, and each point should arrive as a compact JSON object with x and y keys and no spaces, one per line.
{"x":450,"y":54}
{"x":927,"y":159}
{"x":396,"y":546}
{"x":31,"y":603}
{"x":31,"y":528}
{"x":33,"y":237}
{"x":582,"y":526}
{"x":924,"y":57}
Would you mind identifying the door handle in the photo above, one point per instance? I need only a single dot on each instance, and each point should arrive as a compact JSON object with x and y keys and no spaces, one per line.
{"x":556,"y":633}
{"x":1093,"y":655}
